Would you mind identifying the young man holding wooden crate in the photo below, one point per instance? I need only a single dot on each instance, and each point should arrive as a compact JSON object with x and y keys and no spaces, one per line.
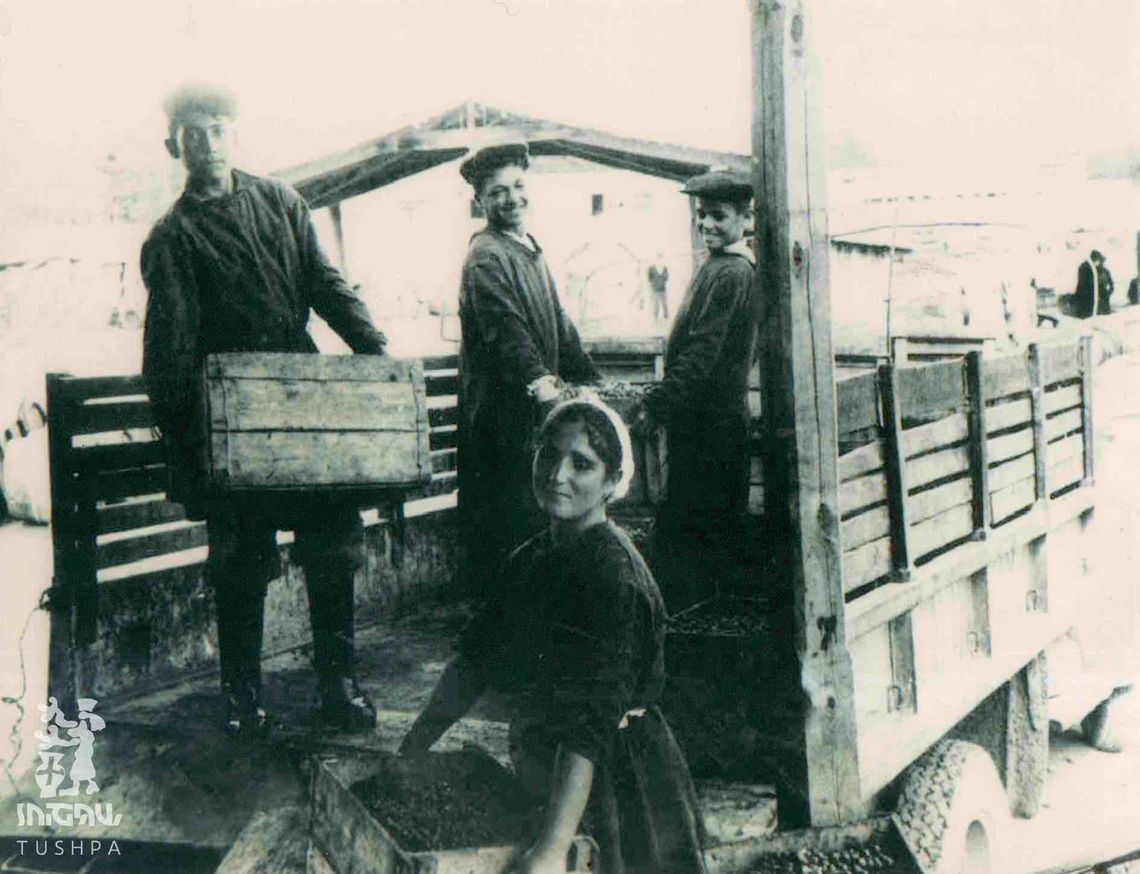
{"x":235,"y":266}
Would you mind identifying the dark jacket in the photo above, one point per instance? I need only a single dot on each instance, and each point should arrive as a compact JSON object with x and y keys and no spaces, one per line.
{"x":703,"y":398}
{"x":1092,"y":296}
{"x":238,"y":273}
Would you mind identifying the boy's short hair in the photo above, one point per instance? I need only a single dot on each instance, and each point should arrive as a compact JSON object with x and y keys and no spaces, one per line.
{"x":722,"y":186}
{"x":197,"y":97}
{"x":488,"y":161}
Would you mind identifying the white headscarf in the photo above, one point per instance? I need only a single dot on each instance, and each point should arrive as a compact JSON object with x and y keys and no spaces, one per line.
{"x":619,"y":428}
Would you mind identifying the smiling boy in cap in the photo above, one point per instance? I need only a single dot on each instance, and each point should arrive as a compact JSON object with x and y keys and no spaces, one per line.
{"x":518,"y":354}
{"x":702,"y":401}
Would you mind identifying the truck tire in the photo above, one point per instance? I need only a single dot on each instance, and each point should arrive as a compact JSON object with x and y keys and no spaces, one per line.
{"x":952,"y":812}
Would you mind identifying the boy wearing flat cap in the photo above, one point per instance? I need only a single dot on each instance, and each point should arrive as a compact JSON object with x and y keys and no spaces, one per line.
{"x":235,"y":266}
{"x":703,"y":398}
{"x":518,"y":355}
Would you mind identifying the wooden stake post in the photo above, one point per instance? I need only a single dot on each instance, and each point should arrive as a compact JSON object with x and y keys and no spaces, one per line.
{"x":798,"y":392}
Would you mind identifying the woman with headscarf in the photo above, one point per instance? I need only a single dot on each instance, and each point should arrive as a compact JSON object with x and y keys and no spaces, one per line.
{"x":578,"y":641}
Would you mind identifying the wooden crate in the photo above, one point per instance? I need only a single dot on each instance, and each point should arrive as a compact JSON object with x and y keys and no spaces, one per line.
{"x":299,"y":422}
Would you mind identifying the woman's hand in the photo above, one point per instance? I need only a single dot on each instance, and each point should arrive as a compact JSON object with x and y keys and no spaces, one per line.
{"x":538,"y":860}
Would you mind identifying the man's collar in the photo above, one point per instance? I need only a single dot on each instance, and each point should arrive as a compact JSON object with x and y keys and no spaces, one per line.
{"x":240,"y":183}
{"x":741,"y":248}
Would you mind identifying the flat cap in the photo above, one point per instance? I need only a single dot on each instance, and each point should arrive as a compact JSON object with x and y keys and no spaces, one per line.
{"x":492,"y":158}
{"x":720,"y":185}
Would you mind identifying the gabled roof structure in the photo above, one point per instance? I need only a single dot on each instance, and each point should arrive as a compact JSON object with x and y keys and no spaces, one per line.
{"x":447,"y":137}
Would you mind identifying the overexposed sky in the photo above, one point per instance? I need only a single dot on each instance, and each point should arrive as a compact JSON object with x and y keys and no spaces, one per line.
{"x":915,"y":82}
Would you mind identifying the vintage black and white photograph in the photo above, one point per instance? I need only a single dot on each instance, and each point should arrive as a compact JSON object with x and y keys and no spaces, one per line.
{"x":525,"y":437}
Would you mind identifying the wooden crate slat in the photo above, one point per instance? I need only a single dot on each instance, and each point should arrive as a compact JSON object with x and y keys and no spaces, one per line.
{"x":440,"y":362}
{"x":1010,"y":472}
{"x":187,"y":536}
{"x":440,"y":417}
{"x":1063,"y":398}
{"x":937,"y":531}
{"x":862,"y":492}
{"x":117,"y":456}
{"x":1011,"y":414}
{"x":1063,"y":424}
{"x":441,"y":385}
{"x":444,"y":439}
{"x":301,"y":459}
{"x":931,"y":388}
{"x":939,"y":499}
{"x":937,"y":465}
{"x":256,"y":404}
{"x":130,"y":515}
{"x":861,"y":461}
{"x":1013,"y":498}
{"x":1007,"y":446}
{"x":1060,"y":363}
{"x":1066,"y":473}
{"x":866,"y":564}
{"x":84,"y":388}
{"x":114,"y":485}
{"x":925,"y":438}
{"x":865,"y":527}
{"x":115,"y":416}
{"x":1006,"y":375}
{"x":1069,"y":447}
{"x":443,"y":460}
{"x":321,"y":368}
{"x":858,"y":402}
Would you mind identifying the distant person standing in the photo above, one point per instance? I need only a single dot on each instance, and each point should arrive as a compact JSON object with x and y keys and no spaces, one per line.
{"x":519,"y":354}
{"x":659,"y":282}
{"x":1094,"y":287}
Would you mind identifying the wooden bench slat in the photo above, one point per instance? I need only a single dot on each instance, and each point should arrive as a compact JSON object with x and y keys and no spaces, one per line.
{"x":1063,"y":424}
{"x":1005,"y":375}
{"x":117,"y":484}
{"x":866,"y":564}
{"x":1066,"y":473}
{"x":862,"y":492}
{"x":440,"y":362}
{"x":1009,"y":472}
{"x":861,"y":461}
{"x":1009,"y":445}
{"x":439,"y":417}
{"x":942,"y":529}
{"x":117,"y":456}
{"x":82,"y":388}
{"x":256,"y":405}
{"x":865,"y":527}
{"x":1063,"y":398}
{"x":944,"y":432}
{"x":187,"y":536}
{"x":858,"y":403}
{"x":937,"y":465}
{"x":137,"y":514}
{"x":1011,"y":414}
{"x":1059,"y":363}
{"x":441,"y":385}
{"x":931,"y":388}
{"x":939,"y":499}
{"x":443,"y":460}
{"x":1012,"y":499}
{"x":443,"y":439}
{"x":116,"y":416}
{"x":1068,"y":447}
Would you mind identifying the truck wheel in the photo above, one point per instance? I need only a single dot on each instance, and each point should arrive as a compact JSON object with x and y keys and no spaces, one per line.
{"x":1101,"y":728}
{"x":953,"y":812}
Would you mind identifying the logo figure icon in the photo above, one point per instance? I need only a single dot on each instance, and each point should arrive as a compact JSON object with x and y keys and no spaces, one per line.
{"x":80,"y":737}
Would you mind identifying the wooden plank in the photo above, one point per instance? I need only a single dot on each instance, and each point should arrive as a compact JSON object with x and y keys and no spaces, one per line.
{"x":1010,"y":445}
{"x":979,"y":458}
{"x":137,"y":514}
{"x":939,"y":499}
{"x":70,"y":388}
{"x":1006,"y":375}
{"x":931,"y":388}
{"x":1070,"y":447}
{"x":443,"y":460}
{"x":1011,"y":414}
{"x":858,"y":400}
{"x":1066,"y":473}
{"x":897,"y":472}
{"x":936,"y":435}
{"x":1013,"y":498}
{"x":118,"y":484}
{"x":444,"y":438}
{"x":116,"y":416}
{"x":1009,"y":472}
{"x":938,"y":465}
{"x":1063,"y":424}
{"x":938,"y":531}
{"x":865,"y":527}
{"x":1063,"y":398}
{"x":117,"y":456}
{"x":1087,"y":364}
{"x":322,"y":368}
{"x":861,"y":461}
{"x":440,"y":362}
{"x":301,"y":459}
{"x":441,"y":385}
{"x":798,"y":397}
{"x":258,"y":404}
{"x":1040,"y":444}
{"x":172,"y":537}
{"x":862,"y":492}
{"x":866,"y":564}
{"x":901,"y":636}
{"x":1060,"y":363}
{"x":440,"y":417}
